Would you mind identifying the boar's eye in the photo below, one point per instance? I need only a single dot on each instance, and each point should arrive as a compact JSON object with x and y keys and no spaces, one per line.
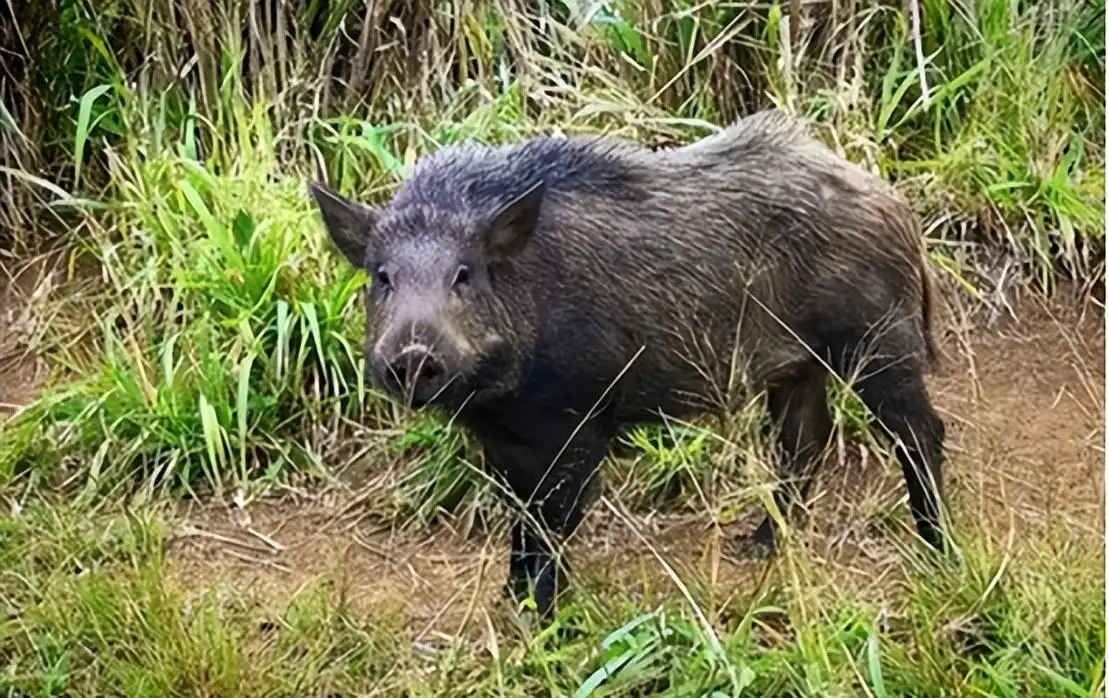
{"x":461,"y":277}
{"x":382,"y":277}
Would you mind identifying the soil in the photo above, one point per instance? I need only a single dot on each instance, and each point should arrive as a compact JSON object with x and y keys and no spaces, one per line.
{"x":1024,"y":407}
{"x":21,"y":372}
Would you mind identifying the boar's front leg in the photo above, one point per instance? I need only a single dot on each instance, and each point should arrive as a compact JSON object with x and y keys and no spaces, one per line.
{"x":550,"y":484}
{"x":799,"y":411}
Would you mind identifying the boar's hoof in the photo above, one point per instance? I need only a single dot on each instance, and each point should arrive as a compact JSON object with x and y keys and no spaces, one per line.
{"x":544,"y":605}
{"x":542,"y":591}
{"x":755,"y":546}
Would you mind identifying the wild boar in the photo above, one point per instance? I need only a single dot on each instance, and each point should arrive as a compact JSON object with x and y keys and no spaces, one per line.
{"x":549,"y":293}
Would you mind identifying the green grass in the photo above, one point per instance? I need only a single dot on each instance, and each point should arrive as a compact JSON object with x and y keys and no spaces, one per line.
{"x":215,"y":350}
{"x":88,"y":609}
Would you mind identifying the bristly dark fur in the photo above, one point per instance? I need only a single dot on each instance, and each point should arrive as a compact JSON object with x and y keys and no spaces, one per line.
{"x":470,"y":176}
{"x":606,"y":284}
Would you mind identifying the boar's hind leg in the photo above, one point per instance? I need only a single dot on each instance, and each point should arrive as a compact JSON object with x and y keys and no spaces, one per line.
{"x":898,"y":398}
{"x":553,"y":506}
{"x":799,"y":411}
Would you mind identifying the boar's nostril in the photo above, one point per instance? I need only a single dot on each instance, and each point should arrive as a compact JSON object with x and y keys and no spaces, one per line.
{"x":415,"y":370}
{"x":399,"y":374}
{"x":428,"y":370}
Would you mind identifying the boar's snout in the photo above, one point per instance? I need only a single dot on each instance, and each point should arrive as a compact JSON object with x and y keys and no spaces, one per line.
{"x":414,"y":373}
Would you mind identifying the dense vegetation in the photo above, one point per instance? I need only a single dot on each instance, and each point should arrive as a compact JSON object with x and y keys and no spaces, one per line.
{"x":204,"y":341}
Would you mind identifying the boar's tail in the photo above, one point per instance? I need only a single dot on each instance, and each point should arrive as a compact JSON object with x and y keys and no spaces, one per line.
{"x":928,"y":311}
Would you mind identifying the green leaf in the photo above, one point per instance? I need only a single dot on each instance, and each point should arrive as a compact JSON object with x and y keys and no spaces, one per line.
{"x":242,"y":407}
{"x":243,"y":229}
{"x":602,"y":674}
{"x":873,"y":658}
{"x":84,"y":117}
{"x":313,"y":324}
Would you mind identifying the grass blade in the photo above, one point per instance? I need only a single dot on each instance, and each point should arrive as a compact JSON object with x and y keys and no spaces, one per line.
{"x":84,"y":115}
{"x":873,"y":660}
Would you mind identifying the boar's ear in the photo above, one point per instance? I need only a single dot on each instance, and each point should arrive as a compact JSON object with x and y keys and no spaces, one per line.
{"x":348,"y":223}
{"x":510,"y":228}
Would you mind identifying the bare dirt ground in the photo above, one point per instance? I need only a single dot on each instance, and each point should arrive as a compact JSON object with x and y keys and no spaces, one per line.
{"x":1024,"y":407}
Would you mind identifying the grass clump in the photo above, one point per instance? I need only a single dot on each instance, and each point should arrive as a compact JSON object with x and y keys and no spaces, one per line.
{"x":223,"y":321}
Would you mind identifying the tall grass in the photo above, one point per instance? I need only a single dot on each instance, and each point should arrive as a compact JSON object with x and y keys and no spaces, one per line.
{"x":1012,"y":120}
{"x":225,"y":325}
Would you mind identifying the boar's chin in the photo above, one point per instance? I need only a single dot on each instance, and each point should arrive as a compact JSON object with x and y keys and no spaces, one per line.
{"x":451,"y":398}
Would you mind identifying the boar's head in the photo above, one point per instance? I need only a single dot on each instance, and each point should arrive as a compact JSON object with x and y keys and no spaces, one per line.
{"x":439,"y":328}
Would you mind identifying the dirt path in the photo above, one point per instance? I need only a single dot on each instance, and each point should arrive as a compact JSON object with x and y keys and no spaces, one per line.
{"x":1029,"y":405}
{"x":1024,"y":408}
